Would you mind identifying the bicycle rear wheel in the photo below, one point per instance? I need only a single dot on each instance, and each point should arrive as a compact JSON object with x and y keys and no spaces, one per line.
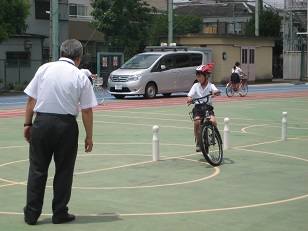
{"x":229,"y":90}
{"x":211,"y":144}
{"x":244,"y":89}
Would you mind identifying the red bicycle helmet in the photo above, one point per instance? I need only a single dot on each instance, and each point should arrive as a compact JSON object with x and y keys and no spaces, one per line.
{"x":204,"y":69}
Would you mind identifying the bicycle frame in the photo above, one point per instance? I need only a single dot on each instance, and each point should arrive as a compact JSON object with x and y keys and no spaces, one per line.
{"x":206,"y":115}
{"x":203,"y":119}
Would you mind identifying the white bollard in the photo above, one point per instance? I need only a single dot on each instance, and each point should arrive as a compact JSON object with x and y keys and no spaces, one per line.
{"x":155,"y":143}
{"x":226,"y":134}
{"x":284,"y":126}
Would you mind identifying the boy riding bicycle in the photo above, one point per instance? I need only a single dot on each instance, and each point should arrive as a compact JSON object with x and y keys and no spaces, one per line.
{"x":198,"y":90}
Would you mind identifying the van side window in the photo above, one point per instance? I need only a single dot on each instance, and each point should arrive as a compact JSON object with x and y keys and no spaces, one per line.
{"x":182,"y":60}
{"x":156,"y":67}
{"x":196,"y":60}
{"x":167,"y":61}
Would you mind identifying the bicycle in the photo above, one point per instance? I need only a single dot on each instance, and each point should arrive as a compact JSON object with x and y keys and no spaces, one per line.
{"x":99,"y":90}
{"x":209,"y":139}
{"x":232,"y":87}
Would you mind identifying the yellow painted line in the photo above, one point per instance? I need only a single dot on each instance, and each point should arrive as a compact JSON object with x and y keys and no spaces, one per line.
{"x":275,"y":154}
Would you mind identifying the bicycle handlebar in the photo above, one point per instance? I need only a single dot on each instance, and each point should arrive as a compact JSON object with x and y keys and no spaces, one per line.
{"x":206,"y":96}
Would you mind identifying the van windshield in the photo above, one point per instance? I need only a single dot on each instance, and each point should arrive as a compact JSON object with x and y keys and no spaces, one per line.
{"x":142,"y":61}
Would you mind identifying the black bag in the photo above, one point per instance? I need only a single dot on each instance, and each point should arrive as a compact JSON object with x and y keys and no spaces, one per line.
{"x":235,"y":77}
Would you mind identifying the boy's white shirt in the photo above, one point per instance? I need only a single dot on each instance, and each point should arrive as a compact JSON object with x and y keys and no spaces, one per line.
{"x":197,"y":91}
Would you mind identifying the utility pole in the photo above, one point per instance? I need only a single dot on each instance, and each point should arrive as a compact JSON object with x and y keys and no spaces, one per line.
{"x":233,"y":15}
{"x":54,"y":36}
{"x":257,"y":8}
{"x":306,"y":70}
{"x":170,"y":21}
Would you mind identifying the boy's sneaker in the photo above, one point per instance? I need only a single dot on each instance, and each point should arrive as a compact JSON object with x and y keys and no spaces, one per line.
{"x":240,"y":93}
{"x":198,"y":149}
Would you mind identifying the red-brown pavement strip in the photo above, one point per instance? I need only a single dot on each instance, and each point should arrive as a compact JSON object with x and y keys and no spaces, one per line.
{"x":172,"y":101}
{"x":9,"y":113}
{"x":176,"y":101}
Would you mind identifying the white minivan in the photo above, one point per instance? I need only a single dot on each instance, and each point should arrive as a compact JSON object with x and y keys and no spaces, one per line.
{"x":150,"y":73}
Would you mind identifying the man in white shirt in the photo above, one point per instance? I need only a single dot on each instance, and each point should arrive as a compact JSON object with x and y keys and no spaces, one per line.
{"x":54,"y":93}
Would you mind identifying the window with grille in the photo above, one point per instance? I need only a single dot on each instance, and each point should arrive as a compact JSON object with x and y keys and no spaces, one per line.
{"x":18,"y":58}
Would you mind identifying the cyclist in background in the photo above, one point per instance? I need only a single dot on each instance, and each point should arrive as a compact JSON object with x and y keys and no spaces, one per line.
{"x":238,"y":75}
{"x":89,"y":74}
{"x":198,"y":90}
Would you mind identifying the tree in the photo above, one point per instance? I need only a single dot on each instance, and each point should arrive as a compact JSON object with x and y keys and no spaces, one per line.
{"x":182,"y":24}
{"x":123,"y":22}
{"x":13,"y":14}
{"x":269,"y":24}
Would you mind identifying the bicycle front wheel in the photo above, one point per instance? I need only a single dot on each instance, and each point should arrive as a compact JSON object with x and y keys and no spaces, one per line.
{"x":229,"y":90}
{"x":100,"y":94}
{"x":244,"y":89}
{"x":211,"y":144}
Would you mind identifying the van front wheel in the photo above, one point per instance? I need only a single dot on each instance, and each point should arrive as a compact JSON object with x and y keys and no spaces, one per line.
{"x":150,"y":91}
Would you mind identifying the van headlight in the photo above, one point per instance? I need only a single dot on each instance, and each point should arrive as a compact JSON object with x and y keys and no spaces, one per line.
{"x":133,"y":78}
{"x":110,"y":78}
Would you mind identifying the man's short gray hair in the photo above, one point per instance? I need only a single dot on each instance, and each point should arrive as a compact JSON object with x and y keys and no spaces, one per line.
{"x":71,"y":49}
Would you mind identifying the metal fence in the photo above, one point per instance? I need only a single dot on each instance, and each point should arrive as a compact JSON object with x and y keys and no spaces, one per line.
{"x":295,"y":62}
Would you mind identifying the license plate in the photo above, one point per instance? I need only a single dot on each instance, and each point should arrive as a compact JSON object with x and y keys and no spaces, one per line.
{"x":118,"y":87}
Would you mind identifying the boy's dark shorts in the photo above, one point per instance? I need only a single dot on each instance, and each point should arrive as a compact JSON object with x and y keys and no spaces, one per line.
{"x":199,"y":110}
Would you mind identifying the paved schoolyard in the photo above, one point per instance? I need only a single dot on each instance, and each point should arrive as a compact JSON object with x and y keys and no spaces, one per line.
{"x":261,"y":184}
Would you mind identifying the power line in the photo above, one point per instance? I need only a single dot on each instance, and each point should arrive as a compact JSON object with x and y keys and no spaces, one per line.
{"x":100,"y":22}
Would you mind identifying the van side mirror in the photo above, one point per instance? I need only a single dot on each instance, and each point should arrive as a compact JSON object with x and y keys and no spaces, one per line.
{"x":163,"y":67}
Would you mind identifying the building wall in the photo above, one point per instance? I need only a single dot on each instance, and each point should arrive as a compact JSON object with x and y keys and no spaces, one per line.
{"x":232,"y":46}
{"x":38,"y":34}
{"x":160,"y":5}
{"x":43,"y":26}
{"x":11,"y":75}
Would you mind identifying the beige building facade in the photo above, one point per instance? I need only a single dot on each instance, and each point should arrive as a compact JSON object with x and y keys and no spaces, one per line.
{"x":254,"y":54}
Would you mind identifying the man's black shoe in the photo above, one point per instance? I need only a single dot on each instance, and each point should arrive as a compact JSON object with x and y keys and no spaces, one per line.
{"x":31,"y":217}
{"x":30,"y":222}
{"x":67,"y":218}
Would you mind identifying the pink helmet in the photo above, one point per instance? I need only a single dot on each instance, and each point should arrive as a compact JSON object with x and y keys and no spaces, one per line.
{"x":205,"y":68}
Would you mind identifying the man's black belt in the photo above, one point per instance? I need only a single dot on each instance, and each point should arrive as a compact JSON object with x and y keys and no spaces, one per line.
{"x":54,"y":114}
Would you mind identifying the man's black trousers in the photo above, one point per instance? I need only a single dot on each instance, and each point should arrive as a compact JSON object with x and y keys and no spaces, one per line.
{"x":54,"y":136}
